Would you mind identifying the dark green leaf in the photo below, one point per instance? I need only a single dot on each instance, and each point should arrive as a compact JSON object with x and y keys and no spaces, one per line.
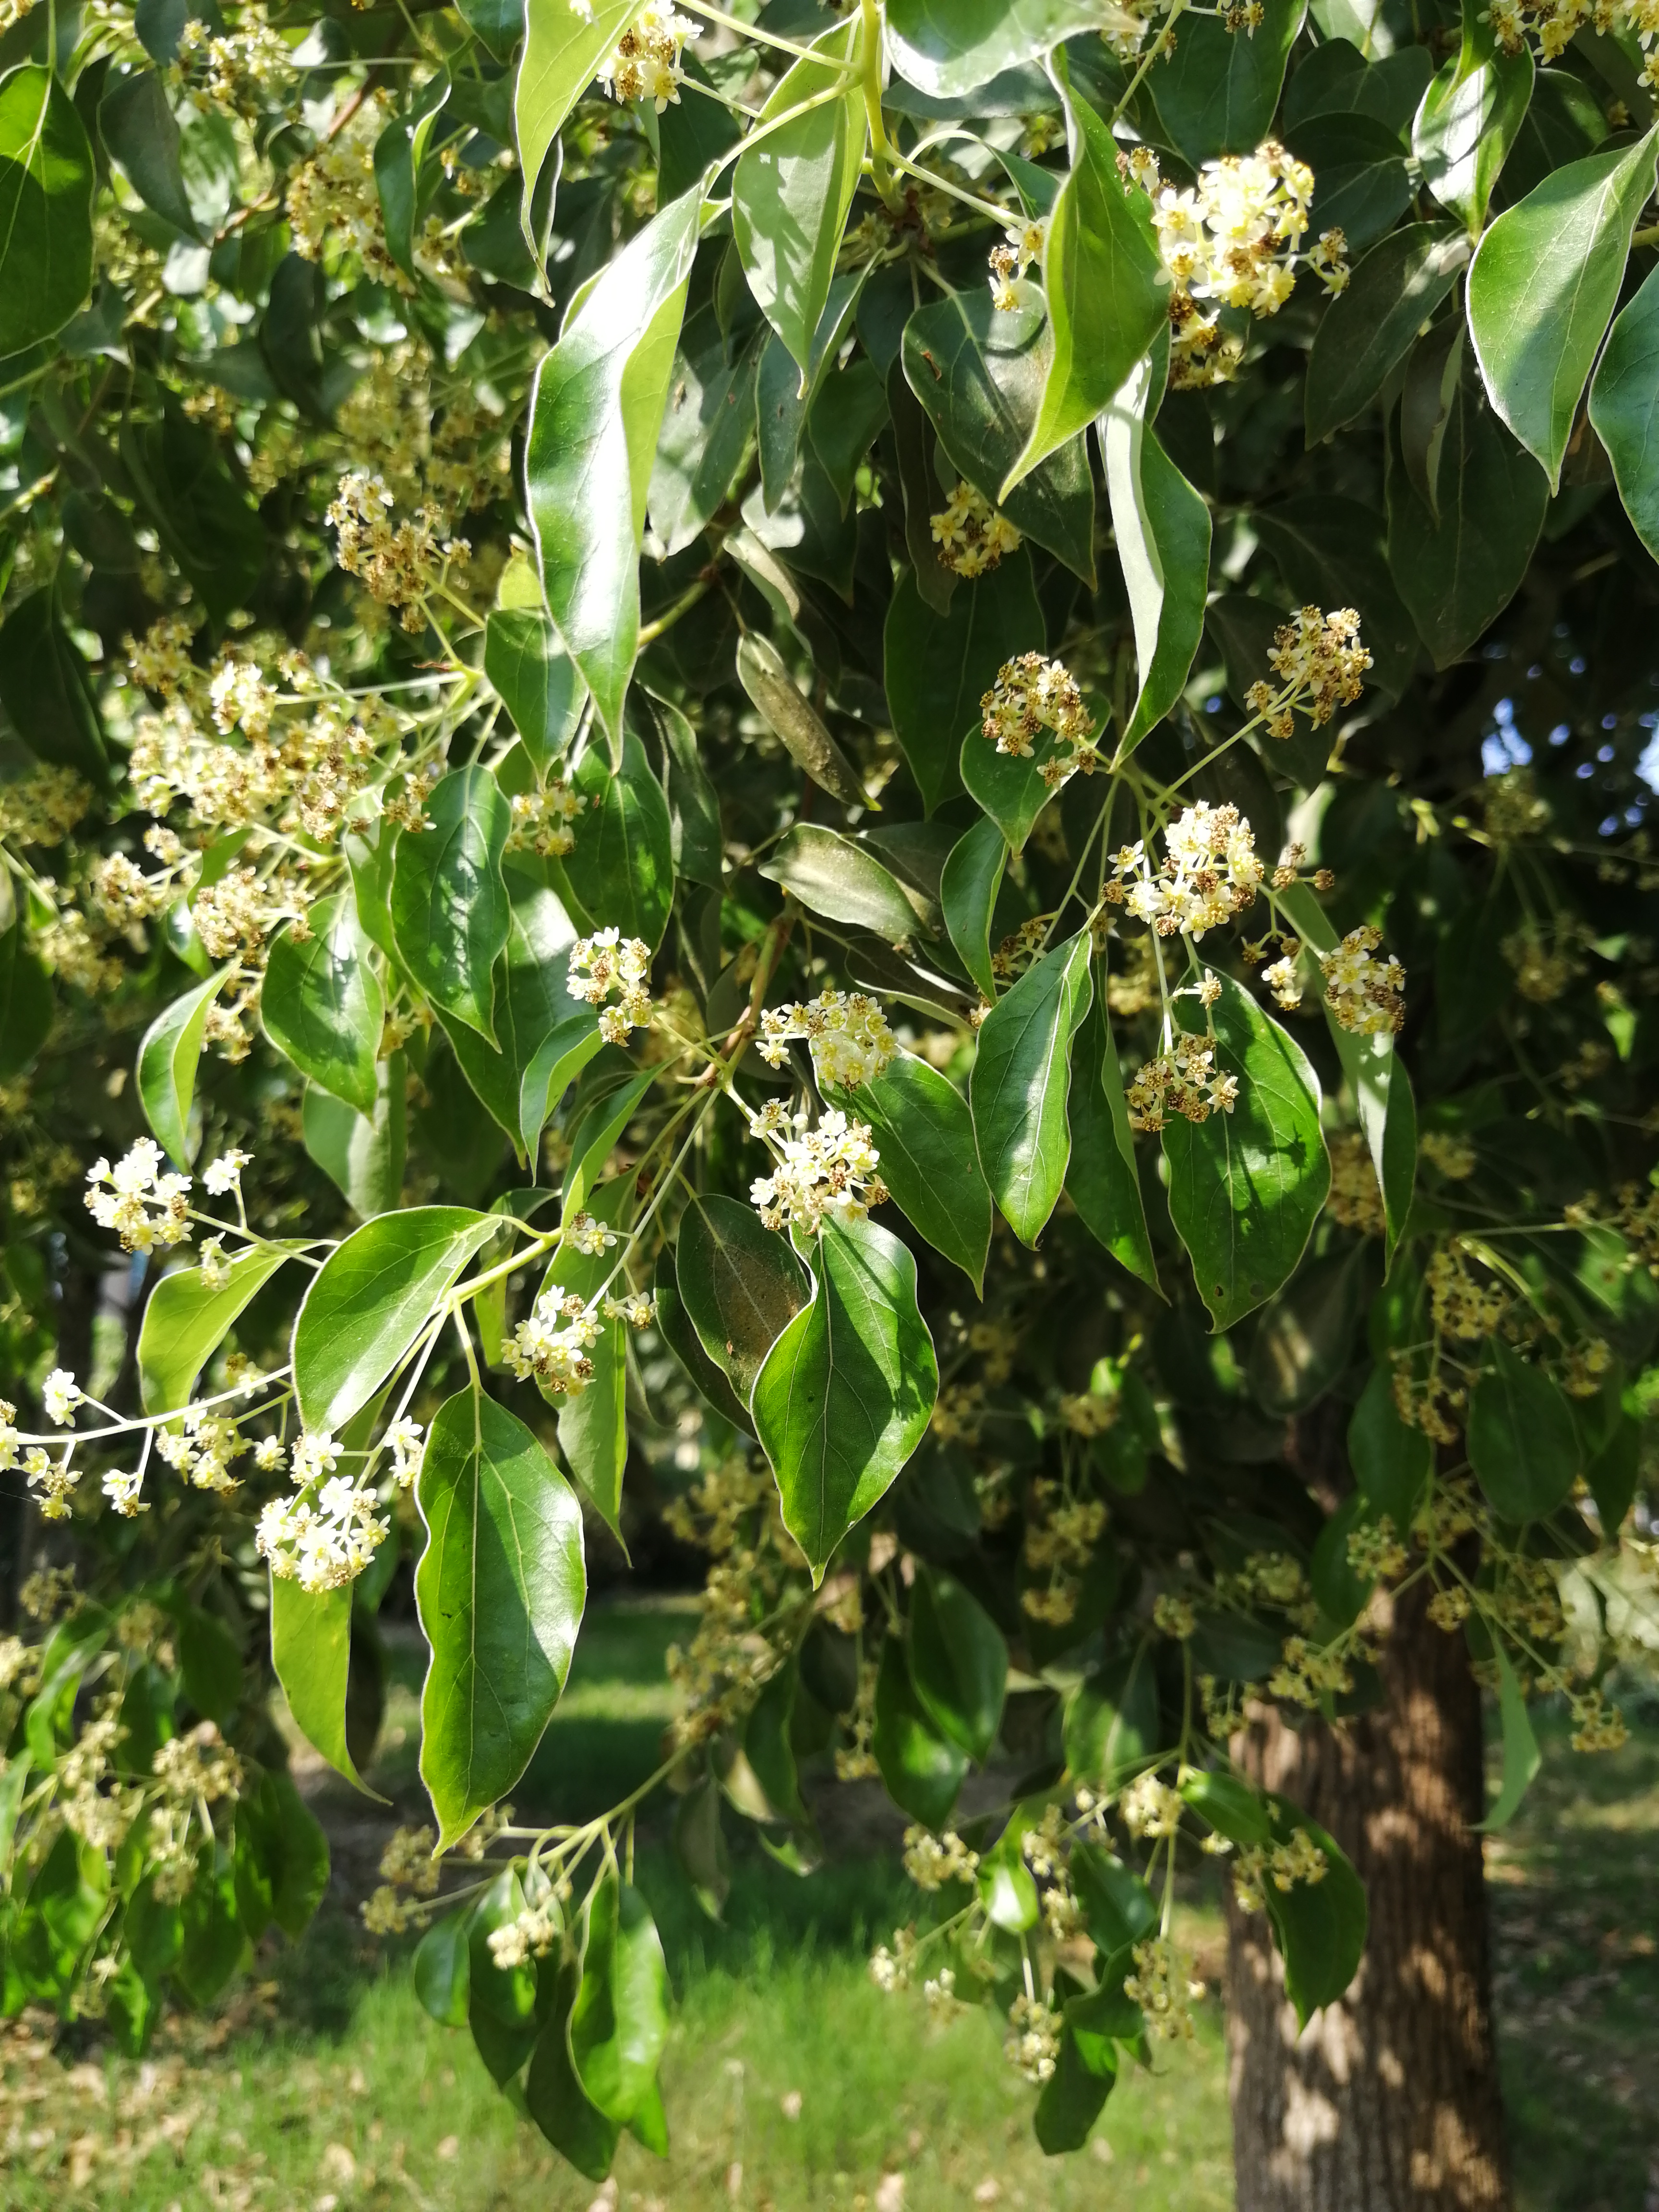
{"x":959,"y":1662}
{"x":923,"y":1770}
{"x":593,"y":1422}
{"x":1361,"y":185}
{"x":1522,"y":1445}
{"x":361,"y":1155}
{"x":539,"y":684}
{"x":533,"y":1004}
{"x":501,"y":1588}
{"x":557,"y":1061}
{"x":844,"y":1395}
{"x":1624,"y":409}
{"x":449,"y":904}
{"x":1218,"y":91}
{"x":622,"y":870}
{"x":1073,"y":2098}
{"x":554,"y":2096}
{"x":44,"y":689}
{"x":1328,"y":547}
{"x":25,"y":1002}
{"x":1102,"y":1179}
{"x":939,"y":666}
{"x":441,"y":1970}
{"x":794,"y":719}
{"x":1111,"y":1722}
{"x":1321,"y":1926}
{"x":322,"y":1004}
{"x":1119,"y":1907}
{"x":843,"y":881}
{"x":1367,"y":330}
{"x":138,"y":127}
{"x":849,"y":410}
{"x":924,"y":1133}
{"x":619,"y":2022}
{"x":741,"y":1285}
{"x":47,"y":177}
{"x":202,"y":514}
{"x":1022,"y":1071}
{"x":706,"y":429}
{"x":1391,"y":1463}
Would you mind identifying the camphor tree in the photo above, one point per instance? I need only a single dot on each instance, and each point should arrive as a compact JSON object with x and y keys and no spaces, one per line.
{"x":881,"y":767}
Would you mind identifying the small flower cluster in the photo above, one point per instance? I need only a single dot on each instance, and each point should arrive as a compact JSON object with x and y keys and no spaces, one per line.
{"x":1164,"y":1990}
{"x":1062,"y":1533}
{"x":605,"y":962}
{"x":645,"y":63}
{"x":1210,"y":872}
{"x":203,"y":1448}
{"x":825,"y":1174}
{"x":42,"y":808}
{"x":322,"y":1545}
{"x":1365,"y":996}
{"x":848,"y":1032}
{"x":199,"y":1768}
{"x":553,"y":1357}
{"x":333,"y":199}
{"x":1233,"y":240}
{"x":1283,"y":1865}
{"x":932,"y":1861}
{"x":1033,"y":2049}
{"x":1321,"y":665}
{"x":1032,"y":694}
{"x":144,"y":1207}
{"x":969,"y":533}
{"x":1355,"y":1200}
{"x":1022,"y":246}
{"x":1462,"y":1306}
{"x":1150,"y":1808}
{"x":542,"y":819}
{"x":1552,"y":25}
{"x":1182,"y":1081}
{"x":531,"y":1935}
{"x":409,"y":1875}
{"x":400,"y":565}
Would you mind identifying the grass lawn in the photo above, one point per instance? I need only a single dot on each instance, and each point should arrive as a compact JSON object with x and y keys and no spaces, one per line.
{"x":790,"y":2081}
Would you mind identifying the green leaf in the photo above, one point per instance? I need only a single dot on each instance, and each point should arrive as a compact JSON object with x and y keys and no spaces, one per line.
{"x":1111,"y":1727}
{"x":1522,"y":1756}
{"x":1613,"y":1476}
{"x":557,"y":1061}
{"x":554,"y":2096}
{"x":1303,"y":1340}
{"x":621,"y":868}
{"x":1118,"y":1905}
{"x":1105,"y":285}
{"x":619,"y":2022}
{"x":980,"y":373}
{"x":706,"y":430}
{"x":500,"y":1588}
{"x":924,"y":1131}
{"x":1544,"y":283}
{"x":1009,"y":787}
{"x":371,"y":1300}
{"x":1458,"y":570}
{"x":44,"y":689}
{"x":1162,"y":531}
{"x":939,"y":666}
{"x":1321,"y":1926}
{"x":844,"y":881}
{"x":595,"y":1137}
{"x":741,"y":1285}
{"x":968,"y":895}
{"x":1367,"y":330}
{"x":25,"y":1002}
{"x":843,"y":1397}
{"x":1232,"y":1809}
{"x":1522,"y":1445}
{"x":1217,"y":92}
{"x":1072,"y":2099}
{"x":675,"y":1327}
{"x":310,"y":1653}
{"x":850,"y":408}
{"x":186,"y":1319}
{"x":322,"y":1003}
{"x":1330,"y":547}
{"x":923,"y":1771}
{"x":793,"y":721}
{"x":443,"y":1970}
{"x":47,"y":177}
{"x":1624,"y":409}
{"x":593,"y":1422}
{"x":596,"y":413}
{"x":948,"y":47}
{"x":959,"y":1662}
{"x":565,"y":42}
{"x":362,"y":1155}
{"x":1364,"y":184}
{"x":1102,"y":1179}
{"x":784,"y":399}
{"x":449,"y":904}
{"x":697,"y":840}
{"x":141,"y":133}
{"x":1246,"y":1187}
{"x":1391,"y":1463}
{"x":1022,"y":1071}
{"x":692,"y":134}
{"x":532,"y":1004}
{"x":537,"y":681}
{"x":1469,"y":118}
{"x":167,"y":1061}
{"x":792,"y":192}
{"x":202,"y":514}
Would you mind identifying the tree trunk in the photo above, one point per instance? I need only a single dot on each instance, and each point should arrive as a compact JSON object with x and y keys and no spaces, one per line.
{"x":1389,"y":2102}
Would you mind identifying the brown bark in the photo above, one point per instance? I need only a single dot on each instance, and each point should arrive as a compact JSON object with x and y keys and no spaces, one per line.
{"x":1388,"y":2102}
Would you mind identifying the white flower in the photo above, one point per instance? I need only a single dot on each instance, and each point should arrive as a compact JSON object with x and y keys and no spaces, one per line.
{"x":54,"y":1483}
{"x":589,"y":1237}
{"x":268,"y":1454}
{"x":122,"y":1492}
{"x":60,"y":1394}
{"x":848,"y":1032}
{"x":226,"y":1172}
{"x":142,"y":1206}
{"x":405,"y":1440}
{"x":829,"y":1173}
{"x":314,"y":1453}
{"x":645,"y":63}
{"x":322,"y":1547}
{"x":606,"y":961}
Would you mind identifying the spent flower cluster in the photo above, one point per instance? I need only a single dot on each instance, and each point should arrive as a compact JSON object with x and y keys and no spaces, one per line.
{"x":822,"y":1174}
{"x":1030,"y":696}
{"x":1212,"y":871}
{"x":1321,"y":665}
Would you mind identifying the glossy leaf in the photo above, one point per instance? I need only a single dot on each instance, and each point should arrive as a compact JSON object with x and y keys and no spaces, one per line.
{"x":1162,"y":527}
{"x":186,"y":1319}
{"x":533,"y":1005}
{"x":1327,"y":546}
{"x":1391,"y":1463}
{"x":793,"y":721}
{"x":967,"y":895}
{"x":593,"y":1422}
{"x":310,"y":1653}
{"x":554,"y":2096}
{"x":449,"y":903}
{"x":1542,"y":286}
{"x":1105,"y":286}
{"x":619,"y":2022}
{"x":44,"y":689}
{"x":1102,"y":1179}
{"x":844,"y":1395}
{"x":923,"y":1771}
{"x":1009,"y":787}
{"x":322,"y":1003}
{"x":1217,"y":92}
{"x":1522,"y":1445}
{"x":362,"y":1155}
{"x":201,"y":511}
{"x":1111,"y":1722}
{"x":442,"y":1970}
{"x":501,"y":1588}
{"x":369,"y":1302}
{"x":939,"y":666}
{"x":1072,"y":2099}
{"x":538,"y":684}
{"x":47,"y":177}
{"x":1367,"y":330}
{"x":980,"y":373}
{"x":706,"y":430}
{"x":1320,"y":1926}
{"x":948,"y":47}
{"x":25,"y":1002}
{"x":137,"y":126}
{"x":565,"y":42}
{"x":924,"y":1131}
{"x":1624,"y":409}
{"x":675,"y":1328}
{"x":792,"y":191}
{"x":596,"y":412}
{"x":1022,"y":1072}
{"x":1246,"y":1187}
{"x":621,"y":869}
{"x":844,"y":881}
{"x":1364,"y":184}
{"x":741,"y":1285}
{"x":1469,"y":118}
{"x":959,"y":1662}
{"x":167,"y":1061}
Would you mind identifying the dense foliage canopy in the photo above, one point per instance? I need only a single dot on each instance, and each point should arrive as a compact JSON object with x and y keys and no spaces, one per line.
{"x":877,"y":770}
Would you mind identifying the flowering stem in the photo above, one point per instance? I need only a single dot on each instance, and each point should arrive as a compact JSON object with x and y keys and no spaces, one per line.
{"x":1160,"y":45}
{"x":871,"y":61}
{"x":986,"y":208}
{"x":748,"y":31}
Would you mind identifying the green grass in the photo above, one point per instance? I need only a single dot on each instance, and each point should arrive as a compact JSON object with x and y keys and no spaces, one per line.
{"x":325,"y":2088}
